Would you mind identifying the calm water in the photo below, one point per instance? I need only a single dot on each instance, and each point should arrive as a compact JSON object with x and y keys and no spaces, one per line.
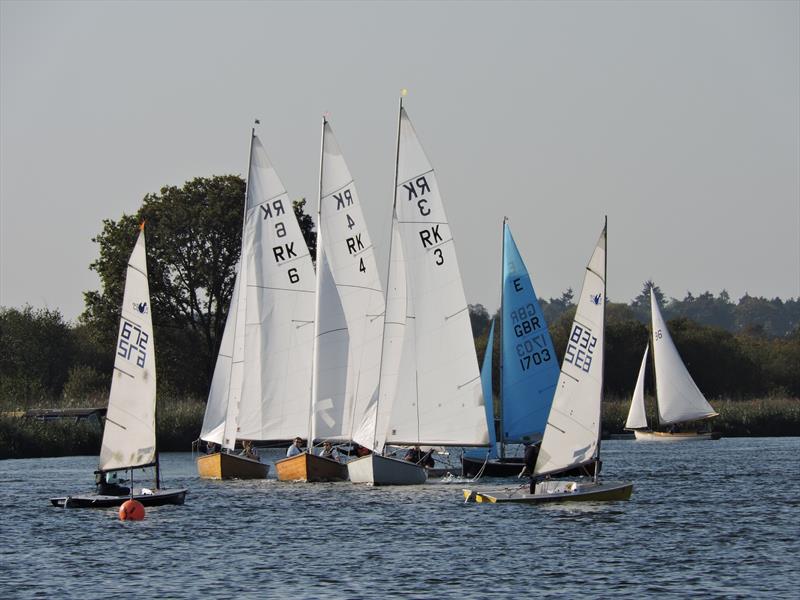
{"x":721,"y":519}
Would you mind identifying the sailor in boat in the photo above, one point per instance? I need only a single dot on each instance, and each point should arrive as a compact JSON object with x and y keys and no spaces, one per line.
{"x":416,"y":456}
{"x":295,"y":448}
{"x":108,"y":484}
{"x":328,"y":451}
{"x":250,"y":451}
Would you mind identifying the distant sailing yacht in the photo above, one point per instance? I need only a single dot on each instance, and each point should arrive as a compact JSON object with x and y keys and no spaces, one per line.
{"x":679,"y":399}
{"x":259,"y":391}
{"x":430,"y":390}
{"x":129,"y":436}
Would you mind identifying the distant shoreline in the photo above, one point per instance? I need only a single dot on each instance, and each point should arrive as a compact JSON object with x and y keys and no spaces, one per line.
{"x":180,"y":421}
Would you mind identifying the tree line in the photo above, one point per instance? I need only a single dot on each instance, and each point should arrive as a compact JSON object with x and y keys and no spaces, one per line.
{"x":735,"y":350}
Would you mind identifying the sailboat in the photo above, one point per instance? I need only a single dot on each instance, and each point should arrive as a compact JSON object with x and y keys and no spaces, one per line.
{"x":129,"y":436}
{"x":678,"y":398}
{"x":348,"y":323}
{"x":430,"y":389}
{"x":259,"y":390}
{"x":529,"y":371}
{"x":572,"y":436}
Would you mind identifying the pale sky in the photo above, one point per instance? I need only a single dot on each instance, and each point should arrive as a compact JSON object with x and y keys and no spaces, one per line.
{"x":680,"y":120}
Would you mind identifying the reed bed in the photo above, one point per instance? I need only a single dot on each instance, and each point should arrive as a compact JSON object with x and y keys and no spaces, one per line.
{"x":179,"y":422}
{"x":761,"y":417}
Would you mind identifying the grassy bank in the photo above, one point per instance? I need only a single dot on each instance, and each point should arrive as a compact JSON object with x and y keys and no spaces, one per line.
{"x":763,"y":417}
{"x":179,"y":424}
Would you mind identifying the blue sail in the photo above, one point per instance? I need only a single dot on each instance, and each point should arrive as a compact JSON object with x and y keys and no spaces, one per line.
{"x":530,"y":368}
{"x":486,"y":384}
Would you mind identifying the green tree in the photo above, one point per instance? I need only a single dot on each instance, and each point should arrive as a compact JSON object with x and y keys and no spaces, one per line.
{"x":36,"y":353}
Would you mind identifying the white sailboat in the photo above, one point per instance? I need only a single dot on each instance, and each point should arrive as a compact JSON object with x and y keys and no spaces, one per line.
{"x":430,"y":387}
{"x":678,"y":398}
{"x":260,"y":387}
{"x":129,"y":436}
{"x":348,"y":323}
{"x":572,"y":435}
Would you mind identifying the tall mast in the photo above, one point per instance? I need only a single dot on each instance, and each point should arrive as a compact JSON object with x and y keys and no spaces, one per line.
{"x":502,"y":316}
{"x":603,"y":370}
{"x":314,"y":377}
{"x":388,"y":270}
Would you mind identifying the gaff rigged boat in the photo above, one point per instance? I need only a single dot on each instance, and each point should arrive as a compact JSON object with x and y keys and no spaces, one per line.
{"x":129,"y":436}
{"x":678,"y":398}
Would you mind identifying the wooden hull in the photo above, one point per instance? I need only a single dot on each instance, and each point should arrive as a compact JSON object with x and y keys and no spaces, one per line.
{"x":554,"y":491}
{"x":382,"y":470}
{"x":221,"y":465}
{"x":311,"y":468}
{"x":664,"y":436}
{"x":157,"y":498}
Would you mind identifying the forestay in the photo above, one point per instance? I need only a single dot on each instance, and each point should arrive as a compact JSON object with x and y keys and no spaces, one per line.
{"x":572,"y":434}
{"x":679,"y":398}
{"x":637,"y":419}
{"x":129,"y":437}
{"x":439,"y":399}
{"x":348,"y":248}
{"x":530,"y":367}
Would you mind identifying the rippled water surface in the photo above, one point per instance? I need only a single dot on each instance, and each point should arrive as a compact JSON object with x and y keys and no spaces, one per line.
{"x":715,"y":518}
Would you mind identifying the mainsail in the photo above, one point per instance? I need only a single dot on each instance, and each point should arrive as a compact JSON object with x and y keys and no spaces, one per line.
{"x":267,"y":364}
{"x":572,"y":435}
{"x":439,"y":399}
{"x":530,"y":367}
{"x":346,"y":246}
{"x":129,"y":437}
{"x":637,"y":419}
{"x":679,"y":398}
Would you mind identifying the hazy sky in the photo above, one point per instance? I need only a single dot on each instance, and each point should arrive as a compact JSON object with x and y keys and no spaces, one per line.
{"x":680,"y":120}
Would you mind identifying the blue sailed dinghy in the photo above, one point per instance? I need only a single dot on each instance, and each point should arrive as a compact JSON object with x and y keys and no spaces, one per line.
{"x":529,"y":372}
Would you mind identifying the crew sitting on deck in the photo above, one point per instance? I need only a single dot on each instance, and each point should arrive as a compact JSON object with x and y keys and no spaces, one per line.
{"x":295,"y":448}
{"x":328,"y":451}
{"x":416,"y":456}
{"x":250,"y":451}
{"x":108,"y":485}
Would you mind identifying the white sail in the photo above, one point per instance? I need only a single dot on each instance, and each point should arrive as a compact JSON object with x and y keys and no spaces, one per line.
{"x":216,"y":414}
{"x":573,"y":426}
{"x":351,"y":258}
{"x":679,"y":398}
{"x":329,"y":388}
{"x":372,"y":432}
{"x":279,"y":310}
{"x":637,"y":419}
{"x":439,"y":400}
{"x":129,"y":437}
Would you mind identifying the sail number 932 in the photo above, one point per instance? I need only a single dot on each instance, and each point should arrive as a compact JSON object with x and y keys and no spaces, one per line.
{"x":580,"y":348}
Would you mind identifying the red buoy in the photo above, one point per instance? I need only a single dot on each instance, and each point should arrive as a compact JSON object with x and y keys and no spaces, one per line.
{"x":131,"y":510}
